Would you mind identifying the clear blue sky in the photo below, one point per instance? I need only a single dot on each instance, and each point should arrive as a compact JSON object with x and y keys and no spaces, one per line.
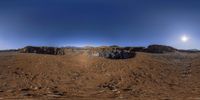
{"x":99,"y":22}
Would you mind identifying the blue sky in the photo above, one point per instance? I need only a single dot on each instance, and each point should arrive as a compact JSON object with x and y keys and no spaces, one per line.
{"x":99,"y":22}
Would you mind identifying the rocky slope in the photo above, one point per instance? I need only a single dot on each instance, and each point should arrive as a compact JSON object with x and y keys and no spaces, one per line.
{"x":112,"y":52}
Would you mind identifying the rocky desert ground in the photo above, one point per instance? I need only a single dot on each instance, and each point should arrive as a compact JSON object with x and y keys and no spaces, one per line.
{"x":79,"y":76}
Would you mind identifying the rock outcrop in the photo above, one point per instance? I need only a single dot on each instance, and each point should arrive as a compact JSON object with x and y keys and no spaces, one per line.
{"x":43,"y":50}
{"x":160,"y":49}
{"x":112,"y":53}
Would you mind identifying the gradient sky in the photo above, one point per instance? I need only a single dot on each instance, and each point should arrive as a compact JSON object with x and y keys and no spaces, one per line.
{"x":99,"y":22}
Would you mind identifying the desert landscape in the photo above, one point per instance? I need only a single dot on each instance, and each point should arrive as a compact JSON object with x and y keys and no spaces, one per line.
{"x":78,"y":74}
{"x":99,"y":50}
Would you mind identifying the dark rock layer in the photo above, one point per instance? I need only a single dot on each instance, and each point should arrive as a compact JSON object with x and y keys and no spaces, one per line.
{"x":113,"y":53}
{"x":117,"y":54}
{"x":43,"y":50}
{"x":160,"y":49}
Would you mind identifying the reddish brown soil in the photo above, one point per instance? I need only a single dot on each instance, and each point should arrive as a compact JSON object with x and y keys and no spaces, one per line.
{"x":78,"y":76}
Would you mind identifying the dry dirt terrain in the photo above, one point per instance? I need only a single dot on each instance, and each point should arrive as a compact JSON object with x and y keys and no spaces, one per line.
{"x":147,"y":76}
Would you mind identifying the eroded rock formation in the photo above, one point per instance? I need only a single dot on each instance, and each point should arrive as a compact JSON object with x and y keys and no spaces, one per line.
{"x":43,"y":50}
{"x":112,"y":53}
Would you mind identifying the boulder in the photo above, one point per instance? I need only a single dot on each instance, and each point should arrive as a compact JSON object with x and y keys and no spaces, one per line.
{"x":43,"y":50}
{"x":113,"y":53}
{"x":160,"y":49}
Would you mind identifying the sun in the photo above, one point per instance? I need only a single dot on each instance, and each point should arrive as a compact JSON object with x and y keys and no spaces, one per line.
{"x":184,"y":38}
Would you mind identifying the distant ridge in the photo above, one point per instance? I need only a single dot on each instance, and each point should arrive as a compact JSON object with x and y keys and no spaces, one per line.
{"x":9,"y":50}
{"x":190,"y":50}
{"x":155,"y":48}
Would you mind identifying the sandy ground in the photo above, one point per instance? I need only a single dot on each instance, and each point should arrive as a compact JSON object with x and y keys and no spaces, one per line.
{"x":78,"y":76}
